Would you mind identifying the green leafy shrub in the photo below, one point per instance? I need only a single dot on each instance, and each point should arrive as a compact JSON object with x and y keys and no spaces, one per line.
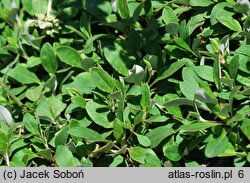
{"x":124,"y":83}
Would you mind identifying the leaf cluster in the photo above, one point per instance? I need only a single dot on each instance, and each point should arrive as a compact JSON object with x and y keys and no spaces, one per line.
{"x":147,"y":83}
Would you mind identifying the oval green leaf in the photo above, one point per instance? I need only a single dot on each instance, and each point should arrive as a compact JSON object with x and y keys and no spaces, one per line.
{"x":194,"y":127}
{"x":99,"y":114}
{"x":48,"y":58}
{"x":205,"y":72}
{"x":69,"y":56}
{"x":170,"y":70}
{"x":102,"y":79}
{"x":143,"y":140}
{"x":123,"y":10}
{"x":65,"y":158}
{"x":4,"y":142}
{"x":159,"y":134}
{"x":117,"y":59}
{"x":171,"y":151}
{"x":83,"y":83}
{"x":230,"y":23}
{"x":21,"y":74}
{"x":169,"y":15}
{"x":86,"y":133}
{"x":31,"y":124}
{"x":140,"y":155}
{"x":217,"y":146}
{"x":245,"y":127}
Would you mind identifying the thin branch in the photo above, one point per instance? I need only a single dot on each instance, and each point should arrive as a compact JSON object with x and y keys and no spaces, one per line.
{"x":7,"y":90}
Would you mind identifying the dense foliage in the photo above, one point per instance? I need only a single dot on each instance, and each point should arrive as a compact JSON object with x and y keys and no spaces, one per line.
{"x":124,"y":83}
